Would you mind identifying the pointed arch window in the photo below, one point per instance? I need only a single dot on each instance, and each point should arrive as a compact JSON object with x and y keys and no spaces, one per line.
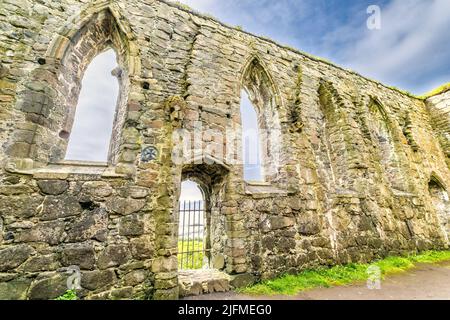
{"x":333,"y":149}
{"x":261,"y":133}
{"x":325,"y":150}
{"x":96,"y":102}
{"x":382,"y":134}
{"x":94,"y":116}
{"x":60,"y":124}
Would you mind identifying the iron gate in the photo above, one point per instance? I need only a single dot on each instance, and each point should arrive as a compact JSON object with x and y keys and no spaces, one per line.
{"x":192,"y":247}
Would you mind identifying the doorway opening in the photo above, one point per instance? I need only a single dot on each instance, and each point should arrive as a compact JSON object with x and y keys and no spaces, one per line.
{"x":203,"y":241}
{"x":193,"y":239}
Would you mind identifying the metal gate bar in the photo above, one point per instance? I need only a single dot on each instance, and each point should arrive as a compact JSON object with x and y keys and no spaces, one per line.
{"x":191,"y":236}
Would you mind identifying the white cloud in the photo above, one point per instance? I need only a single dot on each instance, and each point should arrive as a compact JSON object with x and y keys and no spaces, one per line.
{"x":190,"y":192}
{"x":410,"y":51}
{"x":412,"y":45}
{"x":92,"y":127}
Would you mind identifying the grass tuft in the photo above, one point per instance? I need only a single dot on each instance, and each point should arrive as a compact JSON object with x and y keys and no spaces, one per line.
{"x":69,"y":295}
{"x":405,"y":92}
{"x":183,"y":5}
{"x":340,"y":275}
{"x":436,"y":91}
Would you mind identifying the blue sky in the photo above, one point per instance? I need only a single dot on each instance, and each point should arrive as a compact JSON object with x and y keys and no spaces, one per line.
{"x":410,"y":51}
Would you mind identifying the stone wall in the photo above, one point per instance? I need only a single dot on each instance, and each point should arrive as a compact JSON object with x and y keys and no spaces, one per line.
{"x":439,"y":108}
{"x":92,"y":219}
{"x":352,"y":182}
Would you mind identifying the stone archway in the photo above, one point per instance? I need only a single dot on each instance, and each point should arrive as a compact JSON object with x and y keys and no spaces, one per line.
{"x":210,"y":175}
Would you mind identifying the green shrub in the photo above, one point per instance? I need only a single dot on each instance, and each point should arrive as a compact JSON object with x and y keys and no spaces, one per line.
{"x":69,"y":295}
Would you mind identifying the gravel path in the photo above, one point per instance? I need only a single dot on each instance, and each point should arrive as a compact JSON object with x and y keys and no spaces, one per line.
{"x":425,"y":282}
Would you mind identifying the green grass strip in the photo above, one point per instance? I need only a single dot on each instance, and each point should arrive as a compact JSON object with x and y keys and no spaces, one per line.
{"x":340,"y":275}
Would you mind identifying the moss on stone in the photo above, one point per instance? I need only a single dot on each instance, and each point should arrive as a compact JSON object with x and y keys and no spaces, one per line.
{"x":407,"y":93}
{"x":183,"y":6}
{"x":435,"y":92}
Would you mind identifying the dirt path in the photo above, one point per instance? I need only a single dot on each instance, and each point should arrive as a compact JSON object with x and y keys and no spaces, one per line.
{"x":426,"y":282}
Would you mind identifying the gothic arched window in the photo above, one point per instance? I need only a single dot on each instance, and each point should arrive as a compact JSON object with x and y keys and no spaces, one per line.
{"x":383,"y":137}
{"x":94,"y":116}
{"x":260,"y":123}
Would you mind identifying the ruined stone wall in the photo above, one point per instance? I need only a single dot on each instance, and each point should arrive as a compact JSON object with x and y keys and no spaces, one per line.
{"x":352,"y":182}
{"x":439,"y":108}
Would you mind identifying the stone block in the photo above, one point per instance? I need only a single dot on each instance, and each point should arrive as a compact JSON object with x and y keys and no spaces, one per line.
{"x":281,"y":222}
{"x":47,"y":232}
{"x":171,"y":294}
{"x":113,"y":256}
{"x":94,"y":280}
{"x":166,"y":283}
{"x":53,"y":187}
{"x":48,"y":287}
{"x":55,"y":207}
{"x":142,"y":247}
{"x":92,"y":225}
{"x":19,"y":206}
{"x":81,"y":255}
{"x":97,"y":190}
{"x":125,"y":293}
{"x":242,"y":280}
{"x":131,"y":226}
{"x":15,"y":289}
{"x":218,"y":262}
{"x":13,"y":256}
{"x":165,"y":264}
{"x":308,"y":224}
{"x":125,"y":206}
{"x":37,"y":103}
{"x":138,"y":192}
{"x":135,"y":277}
{"x":16,"y":189}
{"x":41,"y":263}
